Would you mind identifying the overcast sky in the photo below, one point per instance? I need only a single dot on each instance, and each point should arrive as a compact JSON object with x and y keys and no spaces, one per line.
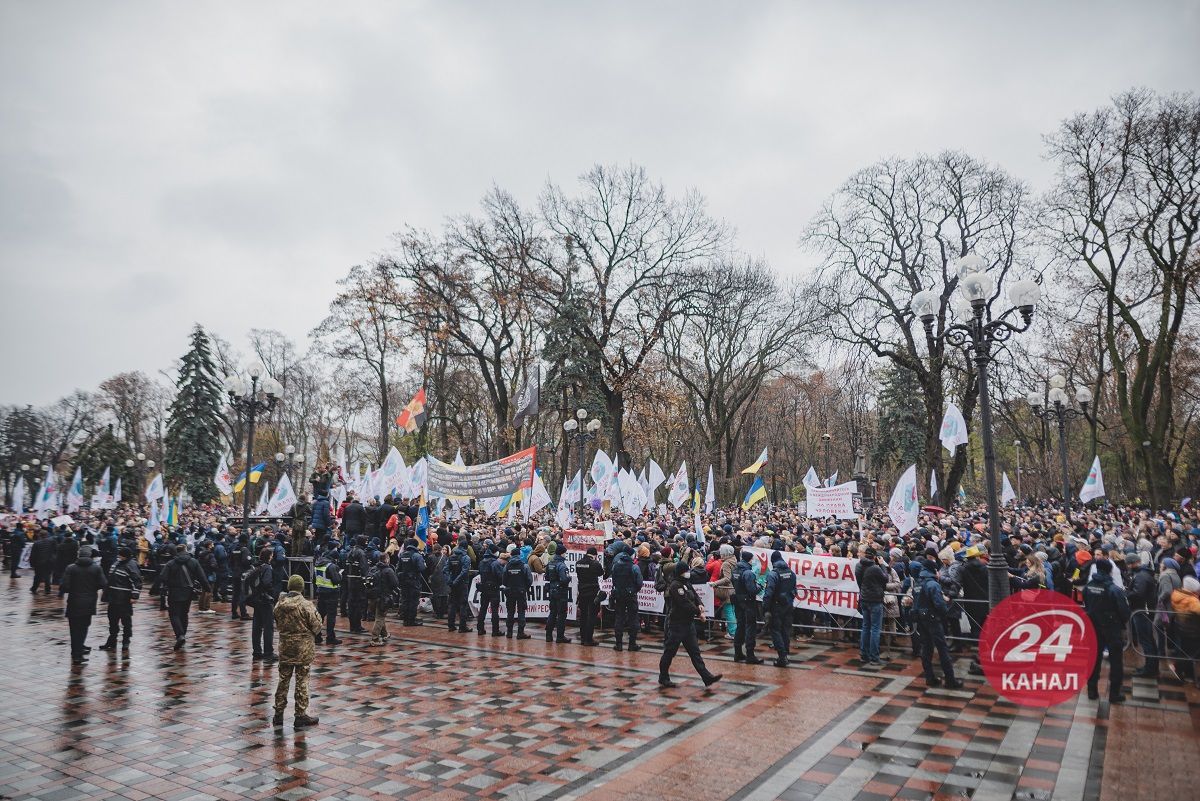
{"x":165,"y":163}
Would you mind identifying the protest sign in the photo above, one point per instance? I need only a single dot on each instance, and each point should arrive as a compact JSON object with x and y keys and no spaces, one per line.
{"x":823,"y":583}
{"x":832,"y":501}
{"x":488,"y":480}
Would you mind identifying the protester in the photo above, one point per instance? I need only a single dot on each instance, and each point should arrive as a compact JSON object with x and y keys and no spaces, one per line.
{"x":82,"y":582}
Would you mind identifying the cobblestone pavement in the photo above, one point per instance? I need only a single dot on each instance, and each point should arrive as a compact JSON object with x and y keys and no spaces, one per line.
{"x":435,"y":715}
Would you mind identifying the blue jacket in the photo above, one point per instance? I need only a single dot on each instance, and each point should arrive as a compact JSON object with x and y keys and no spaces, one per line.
{"x":321,"y":516}
{"x":458,"y":568}
{"x":626,"y":576}
{"x":928,"y":595}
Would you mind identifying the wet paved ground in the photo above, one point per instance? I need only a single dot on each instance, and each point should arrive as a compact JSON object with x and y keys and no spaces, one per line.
{"x":436,"y":715}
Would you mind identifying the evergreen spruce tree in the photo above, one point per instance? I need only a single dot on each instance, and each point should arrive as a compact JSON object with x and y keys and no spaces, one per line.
{"x":107,"y":452}
{"x":901,"y":419}
{"x":194,"y":428}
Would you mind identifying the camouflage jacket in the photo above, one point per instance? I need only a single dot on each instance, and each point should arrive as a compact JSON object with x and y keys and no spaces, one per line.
{"x":297,"y":622}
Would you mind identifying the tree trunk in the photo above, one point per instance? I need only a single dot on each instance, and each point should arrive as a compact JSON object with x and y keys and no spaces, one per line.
{"x":615,"y":403}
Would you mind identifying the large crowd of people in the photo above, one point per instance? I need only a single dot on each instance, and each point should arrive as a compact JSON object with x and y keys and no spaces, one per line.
{"x":924,"y":592}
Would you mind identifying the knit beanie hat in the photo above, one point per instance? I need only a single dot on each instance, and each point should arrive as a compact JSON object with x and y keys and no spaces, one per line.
{"x":296,"y":584}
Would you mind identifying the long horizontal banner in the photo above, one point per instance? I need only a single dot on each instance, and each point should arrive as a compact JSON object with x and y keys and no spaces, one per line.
{"x":488,"y":480}
{"x":823,"y":583}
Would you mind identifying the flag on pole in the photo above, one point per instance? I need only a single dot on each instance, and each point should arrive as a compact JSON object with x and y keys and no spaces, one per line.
{"x":222,"y":478}
{"x":283,"y":499}
{"x":527,"y":399}
{"x":933,"y":487}
{"x":758,"y":463}
{"x":696,"y":509}
{"x":154,"y":490}
{"x":758,"y":492}
{"x":903,"y":507}
{"x":75,"y":492}
{"x":832,"y":480}
{"x":654,"y":480}
{"x":116,"y":495}
{"x":423,"y":525}
{"x":677,"y":489}
{"x":954,"y":429}
{"x":152,"y":524}
{"x":413,"y":415}
{"x":47,"y":497}
{"x":18,"y":496}
{"x":1006,"y":490}
{"x":103,"y":497}
{"x":1094,"y":486}
{"x":172,"y":512}
{"x":811,"y":479}
{"x":539,"y":498}
{"x":257,"y":471}
{"x":710,"y":493}
{"x":264,"y":500}
{"x":962,"y":493}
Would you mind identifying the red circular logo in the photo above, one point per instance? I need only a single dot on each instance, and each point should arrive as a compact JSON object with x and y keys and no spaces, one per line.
{"x":1037,"y":648}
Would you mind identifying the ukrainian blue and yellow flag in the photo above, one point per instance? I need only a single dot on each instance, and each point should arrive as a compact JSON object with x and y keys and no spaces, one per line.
{"x":173,"y":512}
{"x":696,"y":498}
{"x":255,"y":474}
{"x":758,"y":492}
{"x":758,"y":463}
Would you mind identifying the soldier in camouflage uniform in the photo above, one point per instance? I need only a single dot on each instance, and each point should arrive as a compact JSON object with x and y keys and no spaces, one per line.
{"x":298,"y":624}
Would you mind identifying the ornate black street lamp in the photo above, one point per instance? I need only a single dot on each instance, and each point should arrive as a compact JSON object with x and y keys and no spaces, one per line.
{"x":1060,"y":409}
{"x":248,"y":400}
{"x":977,"y":335}
{"x":581,"y":434}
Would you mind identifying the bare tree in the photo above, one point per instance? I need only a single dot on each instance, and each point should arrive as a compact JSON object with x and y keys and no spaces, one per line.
{"x":630,"y":250}
{"x":894,"y":229}
{"x":1123,"y":218}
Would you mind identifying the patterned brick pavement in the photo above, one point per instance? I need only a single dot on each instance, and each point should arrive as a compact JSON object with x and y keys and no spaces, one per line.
{"x":447,"y":716}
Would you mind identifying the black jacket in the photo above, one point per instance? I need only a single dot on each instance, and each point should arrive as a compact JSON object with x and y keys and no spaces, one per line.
{"x":41,"y":555}
{"x":68,"y":551}
{"x":124,"y":581}
{"x":872,"y":582}
{"x":386,"y":583}
{"x":1143,"y":589}
{"x":354,"y":519}
{"x":684,"y":604}
{"x":588,"y":572}
{"x":82,"y":583}
{"x":373,"y":524}
{"x":177,"y":576}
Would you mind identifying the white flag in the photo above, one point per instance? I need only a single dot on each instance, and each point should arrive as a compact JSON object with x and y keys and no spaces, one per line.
{"x":954,"y":429}
{"x":832,"y":480}
{"x":1094,"y":486}
{"x":264,"y":501}
{"x":75,"y":492}
{"x":116,"y":495}
{"x":655,"y":479}
{"x":47,"y":497}
{"x":538,"y":499}
{"x":222,"y":478}
{"x":152,"y":524}
{"x":18,"y":496}
{"x":283,"y":499}
{"x":903,"y":508}
{"x":419,"y":477}
{"x":603,"y":473}
{"x":104,"y":491}
{"x":154,"y":490}
{"x":565,"y":499}
{"x":677,"y":493}
{"x":1006,"y":490}
{"x":811,"y":479}
{"x":933,"y":488}
{"x":710,"y":493}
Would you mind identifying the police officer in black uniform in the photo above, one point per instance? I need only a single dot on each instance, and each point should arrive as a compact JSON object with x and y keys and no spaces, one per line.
{"x":685,"y":608}
{"x":1108,"y":608}
{"x":457,"y":574}
{"x":588,"y":572}
{"x":356,"y":573}
{"x":558,"y":592}
{"x":410,"y":566}
{"x":745,"y":610}
{"x":124,"y":587}
{"x":240,"y":561}
{"x":327,"y":580}
{"x":518,"y":578}
{"x":779,"y":594}
{"x":491,"y":579}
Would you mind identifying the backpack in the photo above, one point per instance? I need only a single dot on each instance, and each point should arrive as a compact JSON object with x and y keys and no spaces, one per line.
{"x":371,"y":581}
{"x":252,"y":582}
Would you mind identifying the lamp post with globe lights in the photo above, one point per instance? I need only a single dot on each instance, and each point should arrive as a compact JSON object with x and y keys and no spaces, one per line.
{"x":248,"y":400}
{"x":576,"y":430}
{"x":286,"y":459}
{"x":1059,"y":409}
{"x":978,"y":335}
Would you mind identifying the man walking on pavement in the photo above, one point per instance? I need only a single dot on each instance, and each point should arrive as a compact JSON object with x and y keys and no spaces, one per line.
{"x":81,"y":583}
{"x":124,"y":587}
